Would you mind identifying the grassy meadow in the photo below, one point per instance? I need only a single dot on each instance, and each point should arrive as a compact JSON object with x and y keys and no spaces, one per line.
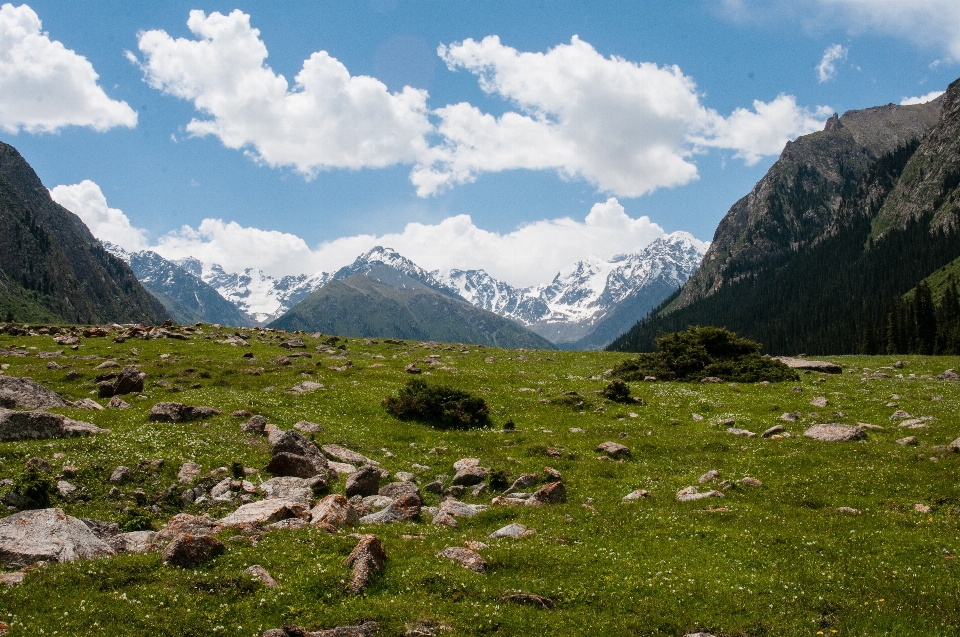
{"x":778,"y":559}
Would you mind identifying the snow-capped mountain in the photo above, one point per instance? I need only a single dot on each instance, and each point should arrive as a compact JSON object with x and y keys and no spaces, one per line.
{"x":259,"y":295}
{"x":588,"y":296}
{"x":388,"y":266}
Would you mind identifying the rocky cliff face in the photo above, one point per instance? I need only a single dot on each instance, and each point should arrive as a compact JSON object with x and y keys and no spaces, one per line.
{"x":797,"y":200}
{"x":51,"y":263}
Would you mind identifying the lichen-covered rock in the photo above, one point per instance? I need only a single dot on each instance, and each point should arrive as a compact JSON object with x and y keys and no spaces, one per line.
{"x":469,"y":476}
{"x":553,"y":493}
{"x":396,"y":489}
{"x":835,"y":433}
{"x":263,"y":575}
{"x":465,"y":558}
{"x":514,"y":531}
{"x":47,"y":535}
{"x":363,"y":482}
{"x":292,"y":488}
{"x":406,"y":507}
{"x":265,"y":512}
{"x":133,"y":542}
{"x":24,"y":393}
{"x":191,"y":524}
{"x":40,"y":425}
{"x":336,"y":452}
{"x":613,"y":449}
{"x":190,"y":551}
{"x":367,"y":559}
{"x":335,"y":510}
{"x":129,"y":380}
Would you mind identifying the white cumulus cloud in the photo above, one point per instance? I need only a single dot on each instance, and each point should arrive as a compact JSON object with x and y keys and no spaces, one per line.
{"x":827,"y":69}
{"x":628,"y":128}
{"x":922,"y":99}
{"x":87,"y":201}
{"x":45,"y":86}
{"x":328,"y":119}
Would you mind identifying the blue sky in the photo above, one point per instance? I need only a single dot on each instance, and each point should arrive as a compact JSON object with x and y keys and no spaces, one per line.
{"x":623,"y":111}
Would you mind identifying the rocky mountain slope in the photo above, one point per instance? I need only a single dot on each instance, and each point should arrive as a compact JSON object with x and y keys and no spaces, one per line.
{"x":386,"y":302}
{"x":817,"y":257}
{"x":51,"y":266}
{"x":187,"y":298}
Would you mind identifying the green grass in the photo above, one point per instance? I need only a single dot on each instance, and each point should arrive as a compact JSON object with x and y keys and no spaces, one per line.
{"x":780,"y":560}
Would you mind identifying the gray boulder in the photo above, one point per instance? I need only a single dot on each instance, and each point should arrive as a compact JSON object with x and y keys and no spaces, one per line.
{"x":23,"y":393}
{"x":39,"y":425}
{"x":48,"y":535}
{"x":835,"y":433}
{"x":396,"y":489}
{"x":365,"y":481}
{"x":469,"y":476}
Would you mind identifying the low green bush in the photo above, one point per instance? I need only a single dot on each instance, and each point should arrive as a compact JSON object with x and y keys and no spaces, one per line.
{"x":699,"y":352}
{"x":617,"y":391}
{"x":36,"y":486}
{"x":135,"y":519}
{"x":439,"y":406}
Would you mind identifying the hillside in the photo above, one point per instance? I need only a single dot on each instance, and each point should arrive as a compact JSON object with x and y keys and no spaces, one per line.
{"x":52,"y":267}
{"x":384,"y":302}
{"x":816,"y":258}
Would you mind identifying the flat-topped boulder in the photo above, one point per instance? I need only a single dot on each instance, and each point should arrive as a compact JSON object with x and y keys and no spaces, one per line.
{"x":824,"y":367}
{"x":266,"y":512}
{"x":40,"y":425}
{"x":24,"y":393}
{"x":835,"y":433}
{"x":47,"y":535}
{"x":336,"y":452}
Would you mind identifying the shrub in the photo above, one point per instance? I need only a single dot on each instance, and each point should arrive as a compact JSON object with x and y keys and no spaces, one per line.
{"x":509,"y":425}
{"x":236,"y":470}
{"x":617,"y":391}
{"x":135,"y":519}
{"x":705,"y":351}
{"x":498,"y":480}
{"x":35,"y":486}
{"x":439,"y":406}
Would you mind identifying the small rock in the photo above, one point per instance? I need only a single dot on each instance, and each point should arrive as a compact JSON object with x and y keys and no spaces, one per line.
{"x":307,"y":427}
{"x":751,"y":482}
{"x":265,"y":512}
{"x":404,"y":476}
{"x":365,"y":481}
{"x":367,"y":559}
{"x":64,"y":488}
{"x":819,"y":401}
{"x":465,"y":558}
{"x":741,"y":432}
{"x":835,"y":433}
{"x":773,"y":430}
{"x":909,"y":440}
{"x":395,"y":489}
{"x":464,"y":463}
{"x":256,"y":425}
{"x":636,"y":495}
{"x":406,"y":507}
{"x":791,"y":416}
{"x":335,"y":510}
{"x":258,"y":572}
{"x":188,"y":471}
{"x":849,"y":510}
{"x":469,"y":476}
{"x":189,"y":551}
{"x":709,"y":476}
{"x":412,"y":369}
{"x":697,"y":417}
{"x":121,"y":474}
{"x":921,"y":508}
{"x":515,"y":531}
{"x":900,"y":414}
{"x":300,"y":490}
{"x":528,"y":598}
{"x":613,"y":449}
{"x":690,"y":494}
{"x":553,"y":493}
{"x":711,"y":380}
{"x":336,"y":452}
{"x":135,"y":542}
{"x":118,"y":403}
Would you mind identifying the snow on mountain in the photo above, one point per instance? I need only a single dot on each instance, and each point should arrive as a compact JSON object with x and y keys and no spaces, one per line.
{"x":580,"y":296}
{"x":255,"y":293}
{"x":386,"y":262}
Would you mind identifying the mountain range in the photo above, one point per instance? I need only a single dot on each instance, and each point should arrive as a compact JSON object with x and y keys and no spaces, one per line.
{"x":837,"y":248}
{"x":584,"y":306}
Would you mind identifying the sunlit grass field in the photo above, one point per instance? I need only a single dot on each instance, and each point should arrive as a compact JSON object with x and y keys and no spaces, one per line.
{"x":778,"y":559}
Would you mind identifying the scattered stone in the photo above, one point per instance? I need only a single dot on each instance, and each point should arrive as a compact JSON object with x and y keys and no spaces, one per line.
{"x":255,"y":425}
{"x":553,"y":493}
{"x":190,"y":551}
{"x":711,"y":380}
{"x":258,"y":572}
{"x":341,"y":468}
{"x":909,"y":440}
{"x":636,"y":495}
{"x":129,"y":380}
{"x":65,"y":489}
{"x":188,"y":471}
{"x":412,"y":369}
{"x":307,"y":427}
{"x":741,"y":432}
{"x":751,"y":482}
{"x":121,"y":474}
{"x":697,"y":417}
{"x":293,"y":343}
{"x":294,"y":455}
{"x":291,"y":488}
{"x":377,"y":502}
{"x":819,"y":401}
{"x":916,"y":423}
{"x":265,"y":512}
{"x":23,"y":393}
{"x":367,"y":559}
{"x":336,"y":452}
{"x":10,"y":579}
{"x":954,"y":446}
{"x":849,"y":510}
{"x":515,"y":531}
{"x":178,"y":412}
{"x":690,"y":494}
{"x":47,"y":535}
{"x":190,"y":524}
{"x":864,"y":425}
{"x":464,"y":463}
{"x":469,"y":476}
{"x":773,"y":430}
{"x":404,"y":476}
{"x":434,"y":487}
{"x":25,"y":425}
{"x":465,"y":558}
{"x":241,"y":413}
{"x":335,"y":510}
{"x":613,"y":449}
{"x":822,"y":367}
{"x":305,"y":387}
{"x":709,"y":476}
{"x":552,"y":475}
{"x":118,"y":403}
{"x":791,"y":416}
{"x":406,"y":507}
{"x":396,"y":489}
{"x":921,"y":508}
{"x":949,"y":375}
{"x":135,"y":542}
{"x":363,"y":482}
{"x":835,"y":433}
